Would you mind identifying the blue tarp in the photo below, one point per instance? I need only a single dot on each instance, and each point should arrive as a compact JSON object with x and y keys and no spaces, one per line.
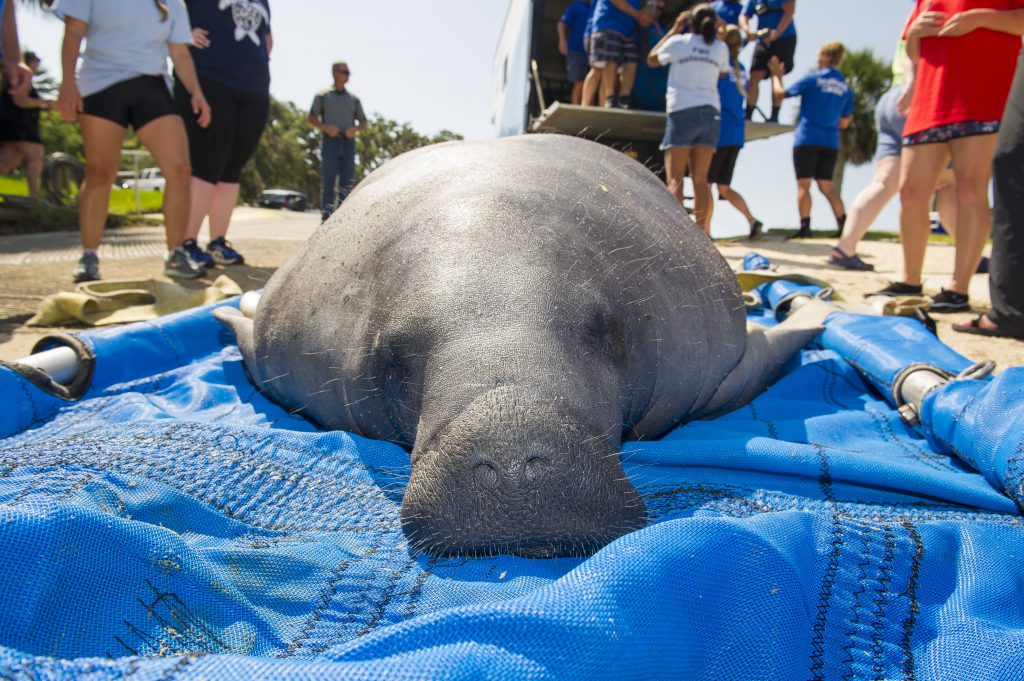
{"x":173,"y":523}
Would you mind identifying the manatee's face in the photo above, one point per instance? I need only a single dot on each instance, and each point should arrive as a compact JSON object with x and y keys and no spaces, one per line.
{"x":519,"y":396}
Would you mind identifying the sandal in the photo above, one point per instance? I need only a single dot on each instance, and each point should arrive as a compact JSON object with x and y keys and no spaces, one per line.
{"x":849,"y":262}
{"x":974,"y":326}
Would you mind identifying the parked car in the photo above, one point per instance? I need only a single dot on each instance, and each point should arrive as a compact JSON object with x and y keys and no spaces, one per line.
{"x":283,"y":198}
{"x":149,"y":178}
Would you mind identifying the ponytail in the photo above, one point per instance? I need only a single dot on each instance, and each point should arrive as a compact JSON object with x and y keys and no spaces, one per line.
{"x":733,"y":39}
{"x":163,"y":10}
{"x":705,"y":21}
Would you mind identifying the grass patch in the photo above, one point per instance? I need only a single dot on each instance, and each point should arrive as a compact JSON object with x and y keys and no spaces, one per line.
{"x":122,"y":201}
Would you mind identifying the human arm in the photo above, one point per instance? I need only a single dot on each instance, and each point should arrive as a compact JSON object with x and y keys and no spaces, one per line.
{"x":26,"y":102}
{"x":316,"y":115}
{"x":18,"y":75}
{"x":844,"y":122}
{"x":1004,"y":21}
{"x":69,"y":101}
{"x":360,"y":121}
{"x":641,"y":18}
{"x":268,"y":41}
{"x":653,"y":60}
{"x":563,"y":41}
{"x":185,"y":70}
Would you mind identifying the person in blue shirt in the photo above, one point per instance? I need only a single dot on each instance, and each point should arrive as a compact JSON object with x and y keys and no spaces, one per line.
{"x":732,"y":88}
{"x":613,"y":44}
{"x":571,"y":27}
{"x":826,"y":104}
{"x":776,"y":37}
{"x":728,"y":11}
{"x":651,"y":82}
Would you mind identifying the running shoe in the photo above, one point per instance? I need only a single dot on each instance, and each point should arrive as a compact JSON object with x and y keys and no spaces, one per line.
{"x":198,"y":256}
{"x":950,"y":301}
{"x":178,"y":265}
{"x":897,"y":288}
{"x":222,"y":253}
{"x":849,"y":262}
{"x":88,"y":268}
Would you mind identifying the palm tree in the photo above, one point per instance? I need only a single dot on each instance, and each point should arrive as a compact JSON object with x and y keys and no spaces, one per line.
{"x":869,"y":78}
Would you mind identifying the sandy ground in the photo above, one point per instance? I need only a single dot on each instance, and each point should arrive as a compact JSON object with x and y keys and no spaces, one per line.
{"x":33,"y":266}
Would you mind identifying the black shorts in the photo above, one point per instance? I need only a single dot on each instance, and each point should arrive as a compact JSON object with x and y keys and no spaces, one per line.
{"x":813,"y":161}
{"x":783,"y":48}
{"x":219,"y":151}
{"x":722,"y":165}
{"x":133,"y":102}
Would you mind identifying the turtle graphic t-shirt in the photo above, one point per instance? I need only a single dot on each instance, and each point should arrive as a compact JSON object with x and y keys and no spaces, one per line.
{"x":237,"y":56}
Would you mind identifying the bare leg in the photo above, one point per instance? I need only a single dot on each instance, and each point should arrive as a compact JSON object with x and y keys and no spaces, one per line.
{"x":577,"y":92}
{"x":10,"y":157}
{"x":202,"y":196}
{"x":224,"y":200}
{"x":870,"y":202}
{"x":591,"y":85}
{"x":627,"y":80}
{"x":972,"y":167}
{"x":703,"y":205}
{"x":165,"y":139}
{"x":737,"y":201}
{"x":920,"y":167}
{"x":945,"y":202}
{"x":676,"y":160}
{"x":102,"y":140}
{"x":828,"y":189}
{"x":754,"y":89}
{"x":609,"y":77}
{"x":34,"y":157}
{"x":803,"y":197}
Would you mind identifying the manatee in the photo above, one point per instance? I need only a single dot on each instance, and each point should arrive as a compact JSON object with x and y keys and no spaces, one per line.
{"x":508,"y":311}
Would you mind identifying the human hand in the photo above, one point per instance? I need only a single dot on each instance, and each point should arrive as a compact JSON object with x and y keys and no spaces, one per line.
{"x":563,"y":48}
{"x":776,"y":66}
{"x":201,"y":108}
{"x":331,"y":130}
{"x":959,"y":24}
{"x":69,"y":101}
{"x":200,"y":38}
{"x":927,"y":24}
{"x":20,"y":78}
{"x":351,"y":132}
{"x":644,"y":19}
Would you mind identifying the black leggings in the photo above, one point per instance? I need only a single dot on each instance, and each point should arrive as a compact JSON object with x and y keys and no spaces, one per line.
{"x":219,"y":151}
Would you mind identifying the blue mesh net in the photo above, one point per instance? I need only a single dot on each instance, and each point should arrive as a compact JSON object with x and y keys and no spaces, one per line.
{"x":173,"y":523}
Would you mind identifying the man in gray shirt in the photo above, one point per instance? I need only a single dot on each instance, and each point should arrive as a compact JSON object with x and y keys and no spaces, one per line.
{"x":338,"y":114}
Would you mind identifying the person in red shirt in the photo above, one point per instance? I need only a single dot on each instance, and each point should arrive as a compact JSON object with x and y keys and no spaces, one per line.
{"x":963,"y":56}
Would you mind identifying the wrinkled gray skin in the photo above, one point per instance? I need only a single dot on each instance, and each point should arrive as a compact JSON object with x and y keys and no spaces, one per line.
{"x":509,"y":310}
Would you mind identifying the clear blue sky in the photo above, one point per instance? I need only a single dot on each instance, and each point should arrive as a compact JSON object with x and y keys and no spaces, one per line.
{"x":429,"y":63}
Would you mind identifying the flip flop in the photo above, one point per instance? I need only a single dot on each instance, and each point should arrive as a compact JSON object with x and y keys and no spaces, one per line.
{"x":974,"y":326}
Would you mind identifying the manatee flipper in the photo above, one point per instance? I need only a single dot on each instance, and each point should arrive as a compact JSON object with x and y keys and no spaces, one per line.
{"x":242,"y":327}
{"x":767,"y":352}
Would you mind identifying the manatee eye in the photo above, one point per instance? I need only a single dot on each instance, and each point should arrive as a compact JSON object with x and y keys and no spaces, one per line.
{"x":605,"y":334}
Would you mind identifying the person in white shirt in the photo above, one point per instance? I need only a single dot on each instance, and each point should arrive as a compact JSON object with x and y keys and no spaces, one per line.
{"x":696,"y":61}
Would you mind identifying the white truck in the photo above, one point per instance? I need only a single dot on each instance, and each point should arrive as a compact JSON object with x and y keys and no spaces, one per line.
{"x":149,"y":179}
{"x":531,"y":90}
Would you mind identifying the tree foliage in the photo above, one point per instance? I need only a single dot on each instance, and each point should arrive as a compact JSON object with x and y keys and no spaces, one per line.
{"x":384,"y":139}
{"x":869,"y":77}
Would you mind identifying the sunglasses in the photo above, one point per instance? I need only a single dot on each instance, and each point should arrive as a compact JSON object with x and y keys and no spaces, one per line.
{"x":342,"y":71}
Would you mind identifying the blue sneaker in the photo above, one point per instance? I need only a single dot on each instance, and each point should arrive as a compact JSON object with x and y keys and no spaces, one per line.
{"x":222,"y":253}
{"x":198,"y":256}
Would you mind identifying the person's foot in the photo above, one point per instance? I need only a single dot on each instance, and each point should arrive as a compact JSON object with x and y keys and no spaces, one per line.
{"x":198,"y":256}
{"x":622,"y":103}
{"x":982,"y":325}
{"x":801,"y":234}
{"x":178,"y":266}
{"x":897,"y":288}
{"x":609,"y":102}
{"x":755,"y":229}
{"x":849,"y":262}
{"x":950,"y":301}
{"x":222,"y":253}
{"x":88,"y":268}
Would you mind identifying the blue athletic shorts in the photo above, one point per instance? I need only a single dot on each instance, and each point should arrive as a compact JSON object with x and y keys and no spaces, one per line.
{"x":576,"y":66}
{"x":696,"y":126}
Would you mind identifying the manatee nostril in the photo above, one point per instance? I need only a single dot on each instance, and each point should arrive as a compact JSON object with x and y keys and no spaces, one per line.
{"x":485,"y":475}
{"x":535,"y":468}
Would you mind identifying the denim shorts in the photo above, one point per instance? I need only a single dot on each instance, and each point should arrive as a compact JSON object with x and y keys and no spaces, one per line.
{"x":696,"y":126}
{"x":890,"y":124}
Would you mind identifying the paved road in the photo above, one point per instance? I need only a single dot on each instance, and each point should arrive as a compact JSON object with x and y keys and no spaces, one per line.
{"x":33,"y":266}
